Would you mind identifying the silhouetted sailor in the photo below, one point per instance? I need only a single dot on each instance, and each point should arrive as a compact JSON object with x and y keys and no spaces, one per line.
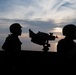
{"x":12,"y":42}
{"x":67,"y":47}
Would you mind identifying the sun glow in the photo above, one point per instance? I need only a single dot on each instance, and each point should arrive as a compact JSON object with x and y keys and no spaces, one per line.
{"x":57,"y":29}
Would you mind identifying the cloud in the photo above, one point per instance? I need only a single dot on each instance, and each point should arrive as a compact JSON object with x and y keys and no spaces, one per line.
{"x":42,"y":9}
{"x":35,"y":25}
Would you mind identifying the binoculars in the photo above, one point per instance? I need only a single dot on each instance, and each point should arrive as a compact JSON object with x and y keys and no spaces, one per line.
{"x":42,"y":38}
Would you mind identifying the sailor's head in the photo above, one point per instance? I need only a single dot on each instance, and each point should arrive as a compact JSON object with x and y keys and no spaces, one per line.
{"x":15,"y":28}
{"x":69,"y":30}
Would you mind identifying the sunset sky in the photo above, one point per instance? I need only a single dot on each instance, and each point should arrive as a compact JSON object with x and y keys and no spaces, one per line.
{"x":38,"y":15}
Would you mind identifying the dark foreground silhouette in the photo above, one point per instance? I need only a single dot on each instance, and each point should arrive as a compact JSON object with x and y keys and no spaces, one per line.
{"x":27,"y":60}
{"x":32,"y":61}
